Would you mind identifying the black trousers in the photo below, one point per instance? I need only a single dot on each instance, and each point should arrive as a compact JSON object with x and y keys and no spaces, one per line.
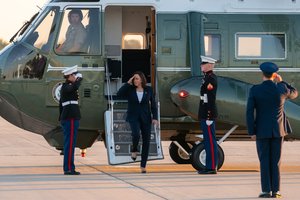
{"x":144,"y":128}
{"x":269,"y":154}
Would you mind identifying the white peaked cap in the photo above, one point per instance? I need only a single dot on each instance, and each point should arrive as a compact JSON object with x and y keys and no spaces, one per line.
{"x":70,"y":70}
{"x":208,"y":59}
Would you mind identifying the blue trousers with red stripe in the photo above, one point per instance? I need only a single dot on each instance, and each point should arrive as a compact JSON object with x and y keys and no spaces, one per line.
{"x":70,"y":128}
{"x":210,"y":144}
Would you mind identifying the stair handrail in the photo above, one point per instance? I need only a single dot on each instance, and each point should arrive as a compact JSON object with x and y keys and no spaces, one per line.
{"x":109,"y":96}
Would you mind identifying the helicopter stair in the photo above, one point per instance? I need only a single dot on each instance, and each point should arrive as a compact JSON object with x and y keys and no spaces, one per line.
{"x":118,"y":139}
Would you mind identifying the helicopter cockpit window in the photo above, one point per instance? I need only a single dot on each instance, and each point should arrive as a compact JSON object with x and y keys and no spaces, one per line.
{"x":24,"y":64}
{"x":42,"y":36}
{"x":212,"y":46}
{"x":260,"y":46}
{"x":79,"y":32}
{"x":24,"y":61}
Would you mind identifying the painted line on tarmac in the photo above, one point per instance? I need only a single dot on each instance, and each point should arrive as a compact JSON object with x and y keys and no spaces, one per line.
{"x":124,"y":181}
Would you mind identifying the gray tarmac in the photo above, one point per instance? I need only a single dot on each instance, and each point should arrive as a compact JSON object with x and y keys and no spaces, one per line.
{"x":31,"y":169}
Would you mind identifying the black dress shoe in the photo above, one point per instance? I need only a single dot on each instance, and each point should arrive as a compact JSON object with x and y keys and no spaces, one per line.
{"x":264,"y":195}
{"x":276,"y":195}
{"x":133,"y":156}
{"x":71,"y":173}
{"x":208,"y":171}
{"x":143,"y":170}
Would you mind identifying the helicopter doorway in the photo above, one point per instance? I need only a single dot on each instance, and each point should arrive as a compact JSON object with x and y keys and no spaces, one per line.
{"x":129,"y":43}
{"x":130,"y":47}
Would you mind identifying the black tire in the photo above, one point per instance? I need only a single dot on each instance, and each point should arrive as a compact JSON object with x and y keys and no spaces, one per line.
{"x":198,"y":157}
{"x":177,"y":155}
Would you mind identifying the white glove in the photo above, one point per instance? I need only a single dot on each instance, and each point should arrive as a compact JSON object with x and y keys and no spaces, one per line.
{"x":78,"y":75}
{"x":209,"y":122}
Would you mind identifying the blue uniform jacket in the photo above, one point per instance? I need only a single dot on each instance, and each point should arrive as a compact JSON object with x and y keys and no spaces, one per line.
{"x":265,"y":109}
{"x":136,"y":109}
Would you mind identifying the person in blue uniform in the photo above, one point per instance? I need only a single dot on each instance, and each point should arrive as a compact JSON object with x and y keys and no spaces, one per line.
{"x":141,"y":113}
{"x":267,"y":124}
{"x":69,"y":116}
{"x":208,"y":113}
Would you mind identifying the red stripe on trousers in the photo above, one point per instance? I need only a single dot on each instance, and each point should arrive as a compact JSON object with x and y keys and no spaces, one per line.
{"x":71,"y":143}
{"x":211,"y":148}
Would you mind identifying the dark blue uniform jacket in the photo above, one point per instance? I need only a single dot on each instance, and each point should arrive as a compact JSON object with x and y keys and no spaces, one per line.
{"x":265,"y":109}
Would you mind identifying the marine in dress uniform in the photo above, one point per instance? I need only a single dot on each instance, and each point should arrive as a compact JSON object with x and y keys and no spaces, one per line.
{"x":208,"y":113}
{"x":267,"y":124}
{"x":69,"y":116}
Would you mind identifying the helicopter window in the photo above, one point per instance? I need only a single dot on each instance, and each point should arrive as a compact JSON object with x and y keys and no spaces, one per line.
{"x":260,"y":45}
{"x":133,"y":41}
{"x":212,"y":45}
{"x":42,"y":35}
{"x":79,"y":32}
{"x":24,"y":63}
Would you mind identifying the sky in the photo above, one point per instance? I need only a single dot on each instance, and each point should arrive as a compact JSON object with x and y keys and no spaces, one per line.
{"x":14,"y":13}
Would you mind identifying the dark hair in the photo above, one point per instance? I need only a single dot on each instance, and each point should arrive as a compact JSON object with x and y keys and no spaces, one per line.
{"x":75,"y":11}
{"x":143,"y":77}
{"x":267,"y":75}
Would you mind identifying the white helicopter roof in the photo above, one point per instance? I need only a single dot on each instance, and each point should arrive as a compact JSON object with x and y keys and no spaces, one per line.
{"x":205,"y":6}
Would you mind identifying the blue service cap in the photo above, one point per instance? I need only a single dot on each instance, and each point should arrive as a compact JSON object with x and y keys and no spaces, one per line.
{"x":268,"y":67}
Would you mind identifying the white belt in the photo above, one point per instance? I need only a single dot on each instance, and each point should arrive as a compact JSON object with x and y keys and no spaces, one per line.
{"x":204,"y":98}
{"x":69,"y":102}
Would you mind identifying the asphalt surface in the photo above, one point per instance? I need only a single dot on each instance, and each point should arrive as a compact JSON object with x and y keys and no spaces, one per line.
{"x":31,"y":169}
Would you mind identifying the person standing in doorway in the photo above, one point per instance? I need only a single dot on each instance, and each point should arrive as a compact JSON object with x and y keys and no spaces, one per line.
{"x":141,"y":113}
{"x":208,"y":113}
{"x":69,"y":116}
{"x":267,"y":124}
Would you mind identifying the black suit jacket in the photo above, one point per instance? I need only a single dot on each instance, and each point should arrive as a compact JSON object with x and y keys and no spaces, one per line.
{"x":265,"y":109}
{"x":136,"y":109}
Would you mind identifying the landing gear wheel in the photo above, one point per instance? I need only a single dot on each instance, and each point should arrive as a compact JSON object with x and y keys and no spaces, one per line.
{"x":178,"y":155}
{"x":198,"y":157}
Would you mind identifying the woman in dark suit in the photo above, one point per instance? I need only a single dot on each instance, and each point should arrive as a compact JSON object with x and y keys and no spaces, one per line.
{"x":141,"y":112}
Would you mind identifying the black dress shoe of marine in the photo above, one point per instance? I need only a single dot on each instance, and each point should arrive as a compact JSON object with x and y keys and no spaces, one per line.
{"x":208,"y":171}
{"x":276,"y":195}
{"x":264,"y":195}
{"x":71,"y":173}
